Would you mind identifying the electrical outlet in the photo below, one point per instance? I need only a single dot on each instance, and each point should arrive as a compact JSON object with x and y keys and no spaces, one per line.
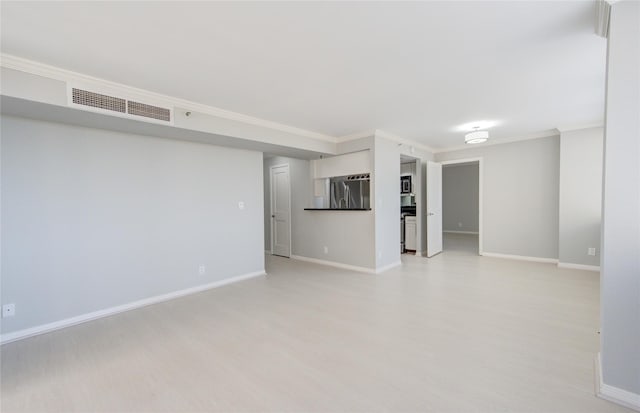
{"x":459,"y":224}
{"x":379,"y":255}
{"x":591,"y":251}
{"x":202,"y":269}
{"x":326,"y":249}
{"x":8,"y":310}
{"x":241,"y":205}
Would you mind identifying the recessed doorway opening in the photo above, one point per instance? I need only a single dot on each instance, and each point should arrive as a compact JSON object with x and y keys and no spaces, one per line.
{"x":462,"y":206}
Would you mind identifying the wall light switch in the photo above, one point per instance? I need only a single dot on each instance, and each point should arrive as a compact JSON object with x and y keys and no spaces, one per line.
{"x":241,"y":205}
{"x":8,"y":310}
{"x":591,"y":251}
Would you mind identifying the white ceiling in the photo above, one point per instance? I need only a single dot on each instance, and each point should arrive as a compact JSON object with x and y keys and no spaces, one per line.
{"x":415,"y":70}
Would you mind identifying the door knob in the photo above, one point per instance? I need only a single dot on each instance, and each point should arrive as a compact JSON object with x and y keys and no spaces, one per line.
{"x":430,"y":213}
{"x":273,"y":216}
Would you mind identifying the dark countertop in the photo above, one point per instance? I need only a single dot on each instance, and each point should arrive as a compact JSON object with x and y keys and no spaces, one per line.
{"x":337,"y":209}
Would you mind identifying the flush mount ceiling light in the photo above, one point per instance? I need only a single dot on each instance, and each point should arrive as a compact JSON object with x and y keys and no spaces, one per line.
{"x":477,"y":136}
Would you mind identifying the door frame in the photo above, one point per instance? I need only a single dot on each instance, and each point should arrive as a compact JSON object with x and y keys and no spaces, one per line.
{"x":480,"y":193}
{"x":420,"y":189}
{"x":271,"y":168}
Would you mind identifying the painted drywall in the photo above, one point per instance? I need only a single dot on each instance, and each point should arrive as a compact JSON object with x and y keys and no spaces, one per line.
{"x":460,"y":191}
{"x":25,"y":95}
{"x":93,"y":219}
{"x":520,"y":191}
{"x":348,"y":235}
{"x":620,"y":264}
{"x":581,"y":153}
{"x":299,"y":176}
{"x":387,"y":202}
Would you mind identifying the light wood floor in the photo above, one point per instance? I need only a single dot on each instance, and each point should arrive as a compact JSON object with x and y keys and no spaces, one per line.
{"x":460,"y":243}
{"x":455,"y":333}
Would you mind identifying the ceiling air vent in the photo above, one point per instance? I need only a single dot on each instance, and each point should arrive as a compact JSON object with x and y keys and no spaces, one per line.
{"x":96,"y":100}
{"x":149,"y":111}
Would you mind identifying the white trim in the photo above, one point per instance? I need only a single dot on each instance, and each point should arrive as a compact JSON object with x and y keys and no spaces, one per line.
{"x":57,"y":325}
{"x":421,"y":253}
{"x":480,"y":193}
{"x":461,"y":232}
{"x":520,"y":257}
{"x":356,"y":136}
{"x":571,"y":128}
{"x":334,"y":264}
{"x":491,"y":142}
{"x":613,"y":394}
{"x":52,"y":72}
{"x":388,"y":267}
{"x":385,"y":135}
{"x":409,"y":142}
{"x":271,"y":168}
{"x":578,"y":266}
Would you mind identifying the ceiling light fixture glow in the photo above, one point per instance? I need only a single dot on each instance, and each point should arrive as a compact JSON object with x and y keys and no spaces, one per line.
{"x":476,"y":125}
{"x":477,"y":136}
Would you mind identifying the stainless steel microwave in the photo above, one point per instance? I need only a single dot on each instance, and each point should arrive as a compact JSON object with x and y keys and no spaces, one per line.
{"x":405,"y":184}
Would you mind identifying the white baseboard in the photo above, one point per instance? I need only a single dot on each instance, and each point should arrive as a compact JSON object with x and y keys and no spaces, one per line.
{"x":613,"y":394}
{"x":569,"y":265}
{"x":388,"y":267}
{"x":520,"y":257}
{"x":334,"y":264}
{"x":461,"y":232}
{"x":57,"y":325}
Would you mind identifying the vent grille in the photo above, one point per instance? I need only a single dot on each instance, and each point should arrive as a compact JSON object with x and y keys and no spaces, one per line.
{"x":96,"y":100}
{"x":149,"y":111}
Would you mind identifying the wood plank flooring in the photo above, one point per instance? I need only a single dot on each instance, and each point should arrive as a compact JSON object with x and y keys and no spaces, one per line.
{"x":455,"y":333}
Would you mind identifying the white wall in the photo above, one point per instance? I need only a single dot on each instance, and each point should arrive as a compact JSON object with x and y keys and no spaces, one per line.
{"x":387,"y":202}
{"x":581,"y":154}
{"x":93,"y":219}
{"x":520,"y":191}
{"x":620,"y":265}
{"x":460,"y":191}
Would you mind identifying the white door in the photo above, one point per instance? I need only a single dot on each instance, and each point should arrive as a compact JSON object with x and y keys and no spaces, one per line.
{"x":280,"y":211}
{"x":434,"y":208}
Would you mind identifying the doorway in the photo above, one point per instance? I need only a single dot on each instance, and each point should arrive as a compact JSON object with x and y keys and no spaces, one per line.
{"x":462,"y":206}
{"x":411,"y":205}
{"x":280,"y":189}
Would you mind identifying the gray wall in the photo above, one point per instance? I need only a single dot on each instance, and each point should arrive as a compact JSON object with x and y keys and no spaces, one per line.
{"x":300,"y":178}
{"x":349,"y":235}
{"x":620,"y":266}
{"x":520,"y":191}
{"x":460,"y":197}
{"x":93,"y":219}
{"x":580,"y":195}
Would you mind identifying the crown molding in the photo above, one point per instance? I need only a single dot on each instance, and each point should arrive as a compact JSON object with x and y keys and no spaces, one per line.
{"x":404,"y":141}
{"x":537,"y":135}
{"x":356,"y":136}
{"x":385,"y":135}
{"x":52,"y":72}
{"x":564,"y":129}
